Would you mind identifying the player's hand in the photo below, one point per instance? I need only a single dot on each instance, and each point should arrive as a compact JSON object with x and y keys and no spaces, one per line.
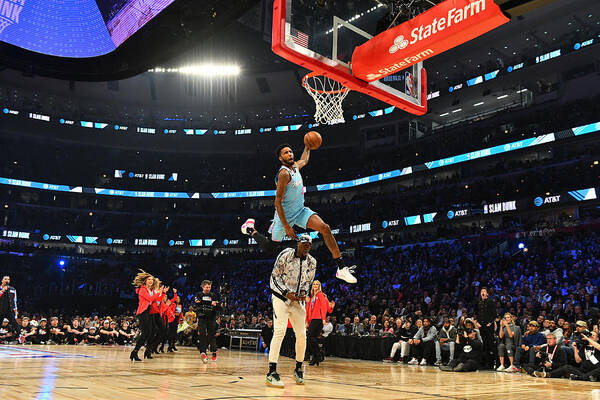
{"x":214,"y":303}
{"x":293,"y":297}
{"x":289,"y":231}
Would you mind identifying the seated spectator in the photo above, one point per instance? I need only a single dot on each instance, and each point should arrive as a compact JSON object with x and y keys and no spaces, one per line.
{"x":92,"y":337}
{"x":531,"y":339}
{"x":7,"y":335}
{"x":445,"y":341}
{"x":328,"y":327}
{"x":386,"y":330}
{"x":26,"y":331}
{"x":373,"y":327}
{"x":126,"y":334}
{"x":423,"y":344}
{"x":108,"y":335}
{"x":266,"y":335}
{"x":358,"y":328}
{"x":345,"y":329}
{"x":42,"y":335}
{"x":548,"y":359}
{"x":509,"y":339}
{"x":57,"y":335}
{"x":553,"y":328}
{"x":469,"y":354}
{"x":75,"y":332}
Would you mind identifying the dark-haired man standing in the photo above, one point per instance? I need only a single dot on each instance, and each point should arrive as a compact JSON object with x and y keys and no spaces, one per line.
{"x":290,"y":211}
{"x":207,"y":305}
{"x":486,"y":315}
{"x":8,"y":303}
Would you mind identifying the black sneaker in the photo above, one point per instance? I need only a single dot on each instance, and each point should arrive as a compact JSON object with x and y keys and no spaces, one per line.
{"x":299,"y":376}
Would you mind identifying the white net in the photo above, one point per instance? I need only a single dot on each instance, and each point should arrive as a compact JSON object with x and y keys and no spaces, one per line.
{"x":328,"y":95}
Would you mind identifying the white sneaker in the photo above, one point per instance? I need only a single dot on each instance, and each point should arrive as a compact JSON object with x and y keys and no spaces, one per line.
{"x":345,"y":274}
{"x":423,"y":362}
{"x":511,"y":369}
{"x":274,"y":380}
{"x":249,"y":224}
{"x":500,"y":368}
{"x":413,"y":362}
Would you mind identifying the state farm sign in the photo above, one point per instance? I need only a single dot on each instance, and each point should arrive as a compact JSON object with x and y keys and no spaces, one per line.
{"x":440,"y":28}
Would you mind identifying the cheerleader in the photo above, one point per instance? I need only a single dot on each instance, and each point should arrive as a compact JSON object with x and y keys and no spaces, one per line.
{"x":158,"y":326}
{"x":174,"y":316}
{"x":317,"y":308}
{"x":144,"y":282}
{"x":167,"y":312}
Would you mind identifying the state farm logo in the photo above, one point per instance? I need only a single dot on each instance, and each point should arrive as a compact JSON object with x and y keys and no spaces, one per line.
{"x":399,"y":43}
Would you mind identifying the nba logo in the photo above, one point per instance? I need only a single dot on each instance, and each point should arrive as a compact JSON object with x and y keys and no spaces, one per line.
{"x":9,"y":12}
{"x":408,"y":83}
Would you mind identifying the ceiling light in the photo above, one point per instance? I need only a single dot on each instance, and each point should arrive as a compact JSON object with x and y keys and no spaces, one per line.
{"x":444,"y":114}
{"x":208,"y":70}
{"x":502,"y":97}
{"x":521,"y":91}
{"x":478,"y":104}
{"x":455,"y":111}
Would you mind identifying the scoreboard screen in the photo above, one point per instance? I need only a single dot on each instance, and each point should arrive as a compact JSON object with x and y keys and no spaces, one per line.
{"x":74,"y":28}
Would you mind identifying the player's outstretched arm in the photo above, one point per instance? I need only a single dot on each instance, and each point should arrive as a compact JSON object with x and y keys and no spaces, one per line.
{"x":304,"y":158}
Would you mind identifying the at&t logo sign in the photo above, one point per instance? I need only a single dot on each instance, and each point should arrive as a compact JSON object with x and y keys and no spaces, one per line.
{"x":400,"y":43}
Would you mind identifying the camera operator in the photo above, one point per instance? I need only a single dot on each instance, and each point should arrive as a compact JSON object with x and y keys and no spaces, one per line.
{"x":548,"y":359}
{"x":588,"y":359}
{"x":469,"y":358}
{"x":207,"y":305}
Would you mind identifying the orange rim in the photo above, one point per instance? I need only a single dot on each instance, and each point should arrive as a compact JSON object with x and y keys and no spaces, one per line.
{"x":312,"y":75}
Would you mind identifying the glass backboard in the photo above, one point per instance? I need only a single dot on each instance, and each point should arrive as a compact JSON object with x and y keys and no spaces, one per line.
{"x":321,"y":35}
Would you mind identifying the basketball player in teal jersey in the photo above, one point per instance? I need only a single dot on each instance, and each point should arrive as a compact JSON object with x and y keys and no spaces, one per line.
{"x":290,"y":211}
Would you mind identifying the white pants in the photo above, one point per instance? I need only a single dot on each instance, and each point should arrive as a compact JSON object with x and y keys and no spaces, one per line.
{"x":296,"y":313}
{"x":403,"y":346}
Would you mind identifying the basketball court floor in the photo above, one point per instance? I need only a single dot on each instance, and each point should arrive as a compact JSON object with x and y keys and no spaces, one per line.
{"x":69,"y":372}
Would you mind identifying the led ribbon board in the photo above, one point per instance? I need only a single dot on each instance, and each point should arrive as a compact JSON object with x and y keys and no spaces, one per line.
{"x":444,"y":162}
{"x":435,"y":31}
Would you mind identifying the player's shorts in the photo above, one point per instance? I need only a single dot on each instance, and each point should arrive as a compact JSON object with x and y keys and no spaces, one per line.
{"x":300,"y":219}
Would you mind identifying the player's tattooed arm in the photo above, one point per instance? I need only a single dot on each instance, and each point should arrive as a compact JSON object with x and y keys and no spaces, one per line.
{"x":304,"y":158}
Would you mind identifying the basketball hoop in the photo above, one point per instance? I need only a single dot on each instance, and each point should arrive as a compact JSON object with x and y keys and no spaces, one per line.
{"x":328,"y":95}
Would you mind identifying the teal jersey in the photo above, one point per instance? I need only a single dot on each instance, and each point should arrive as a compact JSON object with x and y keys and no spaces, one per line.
{"x":293,"y":198}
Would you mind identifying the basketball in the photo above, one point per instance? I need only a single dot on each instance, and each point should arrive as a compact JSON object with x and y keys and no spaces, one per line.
{"x":312,"y":140}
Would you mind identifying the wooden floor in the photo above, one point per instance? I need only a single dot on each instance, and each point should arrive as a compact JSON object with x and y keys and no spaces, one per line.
{"x":69,"y":372}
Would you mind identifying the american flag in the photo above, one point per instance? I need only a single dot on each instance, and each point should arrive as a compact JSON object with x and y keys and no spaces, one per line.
{"x":299,"y":38}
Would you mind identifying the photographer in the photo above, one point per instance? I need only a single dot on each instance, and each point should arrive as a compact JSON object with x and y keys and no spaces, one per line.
{"x":587,"y":357}
{"x":469,"y":358}
{"x":207,"y":305}
{"x":548,"y":359}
